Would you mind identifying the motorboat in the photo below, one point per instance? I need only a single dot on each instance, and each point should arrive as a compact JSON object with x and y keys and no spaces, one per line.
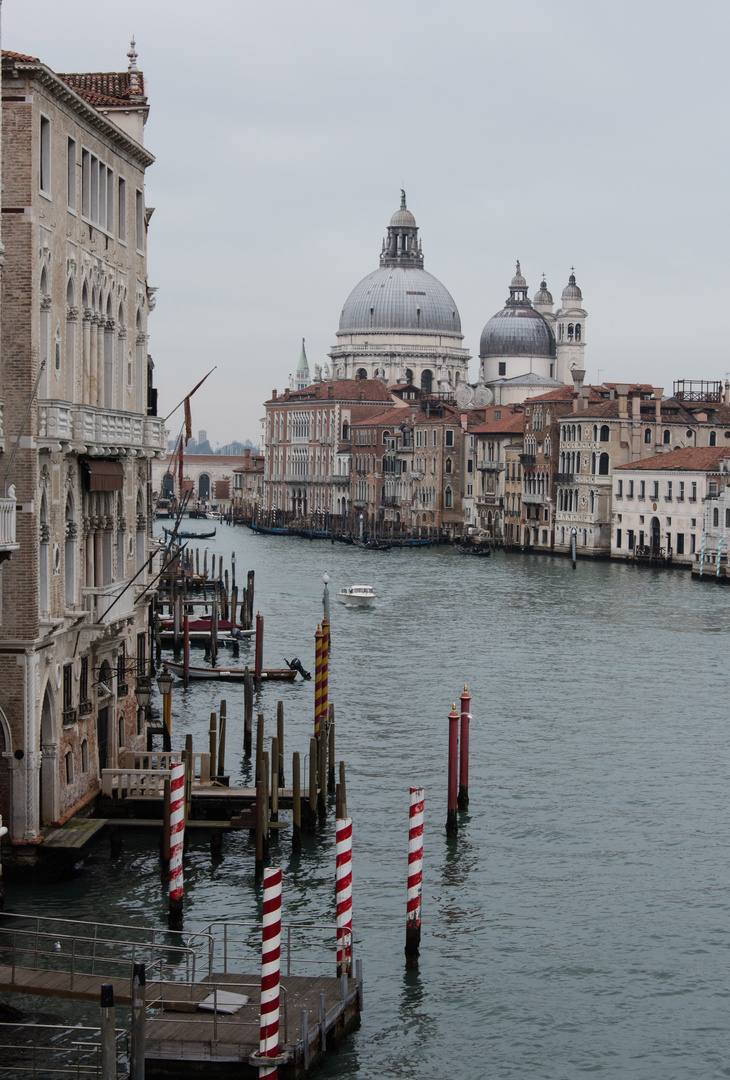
{"x":357,"y":595}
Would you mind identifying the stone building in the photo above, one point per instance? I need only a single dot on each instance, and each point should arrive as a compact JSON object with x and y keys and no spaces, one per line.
{"x":664,"y":505}
{"x":248,"y":485}
{"x":400,"y":324}
{"x":413,"y":469}
{"x":308,"y":448}
{"x":208,"y":477}
{"x":75,"y":302}
{"x":492,"y":438}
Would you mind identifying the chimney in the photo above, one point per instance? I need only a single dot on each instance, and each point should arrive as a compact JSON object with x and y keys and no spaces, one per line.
{"x":636,"y":407}
{"x":273,"y":395}
{"x":463,"y":421}
{"x":622,"y":390}
{"x":579,"y":375}
{"x":658,"y":391}
{"x":726,"y":395}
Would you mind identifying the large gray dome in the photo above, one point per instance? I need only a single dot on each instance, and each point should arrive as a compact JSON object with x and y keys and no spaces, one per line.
{"x":517,"y":331}
{"x":400,"y":298}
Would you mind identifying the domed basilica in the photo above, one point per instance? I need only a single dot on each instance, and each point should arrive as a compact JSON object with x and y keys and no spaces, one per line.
{"x":401,"y":325}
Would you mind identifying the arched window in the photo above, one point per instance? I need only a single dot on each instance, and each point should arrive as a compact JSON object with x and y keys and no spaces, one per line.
{"x":713,"y":438}
{"x":427,"y":380}
{"x":603,"y":465}
{"x":448,"y":465}
{"x":345,"y":431}
{"x":448,"y":498}
{"x":570,"y":331}
{"x":667,"y":437}
{"x":593,"y":462}
{"x":605,"y":434}
{"x":361,"y":373}
{"x":593,"y":502}
{"x":715,"y":516}
{"x":107,"y":397}
{"x":577,"y":331}
{"x":647,"y":436}
{"x":45,"y":536}
{"x":70,"y":346}
{"x":409,"y":376}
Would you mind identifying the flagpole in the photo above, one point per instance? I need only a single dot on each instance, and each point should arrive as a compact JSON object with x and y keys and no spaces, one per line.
{"x":189,"y":395}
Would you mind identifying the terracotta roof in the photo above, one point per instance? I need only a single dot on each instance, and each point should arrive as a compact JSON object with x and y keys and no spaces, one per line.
{"x":339,"y":390}
{"x":508,"y":424}
{"x":686,"y":459}
{"x":107,"y":88}
{"x":389,"y":417}
{"x":396,"y":416}
{"x":21,"y":57}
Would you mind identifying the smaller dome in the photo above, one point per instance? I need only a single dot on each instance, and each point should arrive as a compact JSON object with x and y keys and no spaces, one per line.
{"x":518,"y":282}
{"x":571,"y":290}
{"x":543,"y":296}
{"x":403,"y":218}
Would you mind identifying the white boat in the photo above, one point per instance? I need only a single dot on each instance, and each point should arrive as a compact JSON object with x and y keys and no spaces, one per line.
{"x":358,"y":595}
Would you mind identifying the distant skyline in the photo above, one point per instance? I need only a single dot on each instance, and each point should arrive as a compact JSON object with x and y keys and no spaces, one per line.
{"x":561,"y":135}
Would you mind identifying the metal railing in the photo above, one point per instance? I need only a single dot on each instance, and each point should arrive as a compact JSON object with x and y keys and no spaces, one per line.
{"x":42,"y":1051}
{"x":304,"y":946}
{"x":108,"y":950}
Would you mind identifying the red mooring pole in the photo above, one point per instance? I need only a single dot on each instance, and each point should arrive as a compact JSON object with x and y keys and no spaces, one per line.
{"x":452,"y":824}
{"x":463,"y":799}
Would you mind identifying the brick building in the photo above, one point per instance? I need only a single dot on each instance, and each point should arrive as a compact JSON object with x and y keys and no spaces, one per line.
{"x":75,"y":302}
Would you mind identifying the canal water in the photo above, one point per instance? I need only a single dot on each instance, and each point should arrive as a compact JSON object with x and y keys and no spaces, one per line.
{"x":580,"y":923}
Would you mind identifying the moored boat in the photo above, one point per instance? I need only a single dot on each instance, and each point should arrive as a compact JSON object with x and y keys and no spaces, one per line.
{"x":229,"y":674}
{"x":182,"y":534}
{"x":357,"y":595}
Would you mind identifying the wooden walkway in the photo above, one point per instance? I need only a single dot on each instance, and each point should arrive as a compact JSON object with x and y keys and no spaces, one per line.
{"x":178,"y":1044}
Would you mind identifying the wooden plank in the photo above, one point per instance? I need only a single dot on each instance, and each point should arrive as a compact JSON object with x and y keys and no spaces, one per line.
{"x":76,"y":833}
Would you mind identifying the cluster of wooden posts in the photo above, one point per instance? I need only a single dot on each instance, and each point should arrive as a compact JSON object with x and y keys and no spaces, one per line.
{"x":179,"y":589}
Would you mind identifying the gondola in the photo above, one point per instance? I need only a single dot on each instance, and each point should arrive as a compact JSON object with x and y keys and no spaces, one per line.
{"x":185,"y":535}
{"x":473,"y":549}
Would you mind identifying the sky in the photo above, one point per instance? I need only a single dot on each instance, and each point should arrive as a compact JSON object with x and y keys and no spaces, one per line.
{"x":561,"y":134}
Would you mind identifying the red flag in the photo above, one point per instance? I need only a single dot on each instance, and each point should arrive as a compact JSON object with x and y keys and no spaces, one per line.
{"x":188,"y":421}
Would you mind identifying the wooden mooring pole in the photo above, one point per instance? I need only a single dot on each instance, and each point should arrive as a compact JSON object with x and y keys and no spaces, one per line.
{"x":452,"y":824}
{"x":247,"y":711}
{"x":463,"y":798}
{"x":280,"y":739}
{"x":222,"y":740}
{"x":108,"y":1035}
{"x":138,"y":1025}
{"x":296,"y":833}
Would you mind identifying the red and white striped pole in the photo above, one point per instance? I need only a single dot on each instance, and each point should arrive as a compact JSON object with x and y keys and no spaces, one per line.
{"x":464,"y":751}
{"x":452,"y":823}
{"x":177,"y":835}
{"x":415,"y":874}
{"x":270,"y":971}
{"x":343,"y":888}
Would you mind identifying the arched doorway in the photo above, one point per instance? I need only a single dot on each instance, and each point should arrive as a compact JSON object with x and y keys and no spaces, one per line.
{"x":655,"y":536}
{"x":203,"y":487}
{"x":48,"y":773}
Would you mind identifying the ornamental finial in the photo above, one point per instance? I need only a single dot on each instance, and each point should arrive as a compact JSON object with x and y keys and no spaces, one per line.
{"x":132,"y":54}
{"x":402,"y":199}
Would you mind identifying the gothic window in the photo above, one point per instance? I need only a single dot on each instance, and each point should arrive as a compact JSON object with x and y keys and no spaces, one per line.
{"x":448,"y":498}
{"x":448,"y":465}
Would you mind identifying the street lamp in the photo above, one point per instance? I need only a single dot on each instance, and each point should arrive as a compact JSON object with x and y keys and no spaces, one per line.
{"x":143,"y":691}
{"x":164,"y":685}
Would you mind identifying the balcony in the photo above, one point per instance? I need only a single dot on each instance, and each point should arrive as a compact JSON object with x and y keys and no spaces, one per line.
{"x":527,"y":460}
{"x":390,"y":500}
{"x":7,"y":528}
{"x":564,"y":478}
{"x":101,"y":429}
{"x":98,"y":601}
{"x":489,"y":498}
{"x":533,"y":499}
{"x":491,"y":466}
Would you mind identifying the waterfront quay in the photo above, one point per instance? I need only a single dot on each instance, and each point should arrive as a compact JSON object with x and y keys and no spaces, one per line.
{"x":579,"y":920}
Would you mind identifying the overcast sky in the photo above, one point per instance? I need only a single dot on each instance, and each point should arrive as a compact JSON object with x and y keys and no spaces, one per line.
{"x":563,"y":133}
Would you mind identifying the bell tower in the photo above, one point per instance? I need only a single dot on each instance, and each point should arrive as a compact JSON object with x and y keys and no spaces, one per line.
{"x":570,"y":332}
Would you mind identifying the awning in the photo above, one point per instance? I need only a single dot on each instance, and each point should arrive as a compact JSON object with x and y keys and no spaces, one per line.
{"x":103,"y":475}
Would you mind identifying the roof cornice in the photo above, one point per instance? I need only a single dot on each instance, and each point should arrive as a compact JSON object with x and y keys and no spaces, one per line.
{"x":43,"y":74}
